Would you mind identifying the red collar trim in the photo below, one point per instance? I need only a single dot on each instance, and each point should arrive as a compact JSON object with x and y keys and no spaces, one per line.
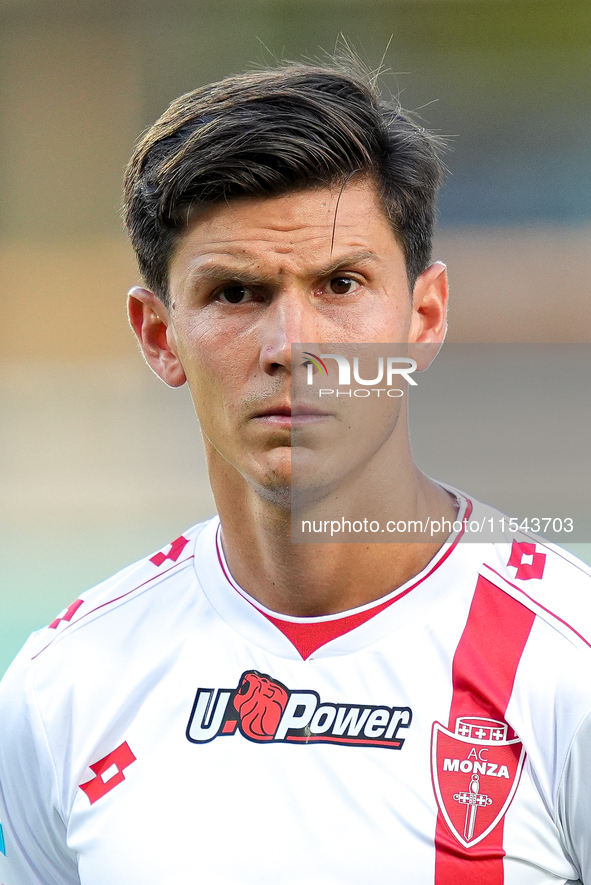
{"x":308,"y":636}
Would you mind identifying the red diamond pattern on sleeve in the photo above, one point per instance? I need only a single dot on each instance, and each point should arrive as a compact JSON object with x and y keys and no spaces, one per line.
{"x":176,"y":548}
{"x":527,"y":560}
{"x":68,"y":614}
{"x":119,"y":759}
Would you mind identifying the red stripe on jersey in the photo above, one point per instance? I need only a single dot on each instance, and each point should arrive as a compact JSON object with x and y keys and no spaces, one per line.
{"x":483,"y":673}
{"x":539,"y":604}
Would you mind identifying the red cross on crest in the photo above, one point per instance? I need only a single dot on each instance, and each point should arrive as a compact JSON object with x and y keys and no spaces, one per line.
{"x":527,"y":560}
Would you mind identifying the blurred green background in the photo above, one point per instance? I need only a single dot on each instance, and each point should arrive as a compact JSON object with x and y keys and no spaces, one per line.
{"x":100,"y":463}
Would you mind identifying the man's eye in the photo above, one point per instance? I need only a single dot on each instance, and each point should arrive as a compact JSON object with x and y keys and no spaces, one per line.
{"x":233,"y":294}
{"x":342,"y":285}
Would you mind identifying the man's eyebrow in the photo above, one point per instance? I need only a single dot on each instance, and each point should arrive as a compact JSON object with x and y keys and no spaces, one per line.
{"x":214,"y":272}
{"x":346,"y":261}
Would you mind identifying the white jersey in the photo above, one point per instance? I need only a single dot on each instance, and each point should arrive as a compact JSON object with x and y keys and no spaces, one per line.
{"x":167,"y":729}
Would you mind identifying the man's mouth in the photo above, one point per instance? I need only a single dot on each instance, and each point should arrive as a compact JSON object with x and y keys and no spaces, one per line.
{"x":286,"y":415}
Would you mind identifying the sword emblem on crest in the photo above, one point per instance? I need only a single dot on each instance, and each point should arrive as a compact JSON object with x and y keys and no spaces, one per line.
{"x":473,"y":799}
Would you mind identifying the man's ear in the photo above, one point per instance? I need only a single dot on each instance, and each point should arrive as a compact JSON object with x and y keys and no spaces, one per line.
{"x":151,"y":323}
{"x":429,"y":314}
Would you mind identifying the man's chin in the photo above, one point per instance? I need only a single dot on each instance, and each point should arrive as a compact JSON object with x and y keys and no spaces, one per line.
{"x":270,"y":478}
{"x":294,"y":479}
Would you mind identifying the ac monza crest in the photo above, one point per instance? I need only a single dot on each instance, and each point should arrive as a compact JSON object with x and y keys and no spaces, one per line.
{"x":475,"y":771}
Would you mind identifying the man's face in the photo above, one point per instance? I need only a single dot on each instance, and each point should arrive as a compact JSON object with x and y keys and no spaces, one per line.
{"x":252,"y":277}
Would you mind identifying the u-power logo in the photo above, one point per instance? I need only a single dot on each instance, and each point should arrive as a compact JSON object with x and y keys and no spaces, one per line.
{"x":387,"y":372}
{"x":265,"y":710}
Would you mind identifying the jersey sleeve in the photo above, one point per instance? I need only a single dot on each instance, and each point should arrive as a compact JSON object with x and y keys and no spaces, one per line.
{"x":574,"y":801}
{"x":33,"y":848}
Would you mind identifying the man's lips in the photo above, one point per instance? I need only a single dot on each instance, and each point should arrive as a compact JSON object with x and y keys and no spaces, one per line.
{"x":299,"y":414}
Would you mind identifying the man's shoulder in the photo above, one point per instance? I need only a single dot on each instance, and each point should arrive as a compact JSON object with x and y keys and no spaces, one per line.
{"x":549,"y":580}
{"x":126,"y":592}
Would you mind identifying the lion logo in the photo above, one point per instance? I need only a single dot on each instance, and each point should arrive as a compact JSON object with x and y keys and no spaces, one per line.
{"x":260,"y":703}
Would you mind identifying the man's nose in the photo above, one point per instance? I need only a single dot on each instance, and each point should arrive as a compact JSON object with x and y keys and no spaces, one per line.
{"x":290,"y":319}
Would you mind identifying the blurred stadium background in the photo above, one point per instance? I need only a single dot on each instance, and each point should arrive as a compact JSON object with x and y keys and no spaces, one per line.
{"x":101,"y":464}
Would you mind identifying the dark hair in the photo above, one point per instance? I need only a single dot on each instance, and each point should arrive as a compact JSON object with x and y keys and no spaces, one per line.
{"x":268,"y":133}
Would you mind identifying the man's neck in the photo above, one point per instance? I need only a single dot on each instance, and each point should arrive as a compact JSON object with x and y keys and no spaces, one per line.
{"x":310,"y":579}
